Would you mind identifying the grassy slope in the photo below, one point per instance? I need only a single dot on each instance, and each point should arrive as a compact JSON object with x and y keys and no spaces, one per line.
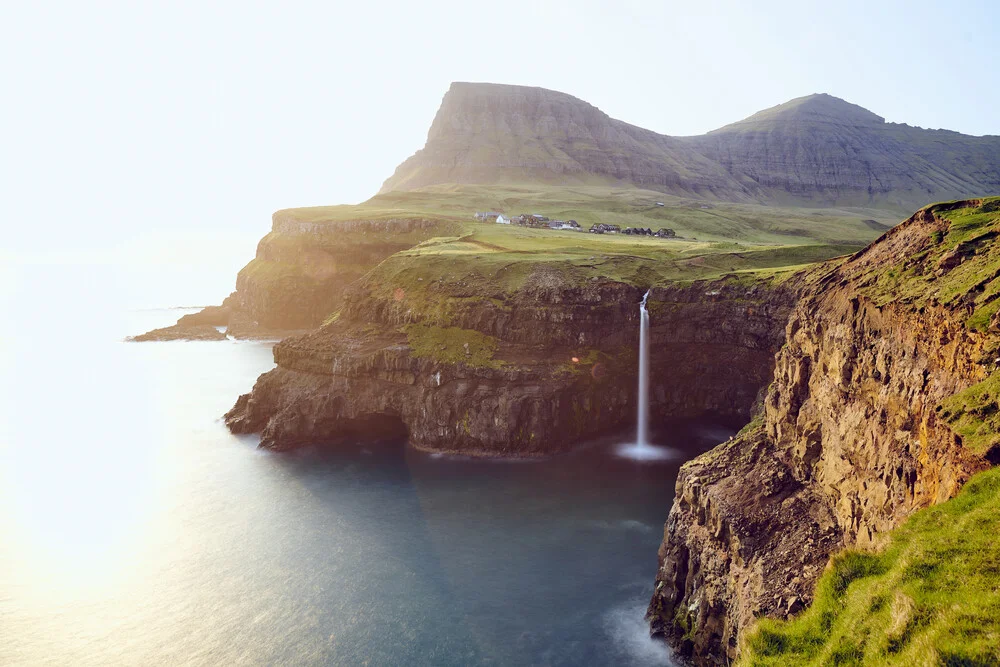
{"x":461,"y":257}
{"x":933,"y":595}
{"x":915,"y":280}
{"x":715,"y":238}
{"x":628,"y":207}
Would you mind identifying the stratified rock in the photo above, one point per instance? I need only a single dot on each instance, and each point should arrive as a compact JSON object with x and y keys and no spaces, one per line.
{"x":848,"y":446}
{"x":817,"y":149}
{"x":490,"y":133}
{"x":713,"y":349}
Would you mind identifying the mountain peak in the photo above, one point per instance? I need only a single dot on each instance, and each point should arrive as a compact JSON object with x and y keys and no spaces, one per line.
{"x":815,"y":108}
{"x":816,"y":150}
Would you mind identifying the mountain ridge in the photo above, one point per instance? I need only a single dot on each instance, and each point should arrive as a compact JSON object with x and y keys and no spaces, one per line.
{"x":815,"y":149}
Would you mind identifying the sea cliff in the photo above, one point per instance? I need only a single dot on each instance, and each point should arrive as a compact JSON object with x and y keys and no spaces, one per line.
{"x":851,"y":439}
{"x":527,"y":375}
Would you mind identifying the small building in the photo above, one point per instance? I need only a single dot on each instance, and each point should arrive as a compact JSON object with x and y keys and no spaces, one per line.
{"x":659,"y":203}
{"x":665,"y":233}
{"x":535,"y":220}
{"x":501,"y":220}
{"x":487,"y":216}
{"x":602,"y":228}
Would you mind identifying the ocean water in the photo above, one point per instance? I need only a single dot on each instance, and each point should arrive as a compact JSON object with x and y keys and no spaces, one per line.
{"x":134,"y":529}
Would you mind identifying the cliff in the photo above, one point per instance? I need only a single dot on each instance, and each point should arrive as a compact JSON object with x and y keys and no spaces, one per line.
{"x":853,"y":438}
{"x":302,"y":267}
{"x":300,"y":272}
{"x":816,"y":150}
{"x":489,"y":133}
{"x":822,"y":149}
{"x":518,"y":374}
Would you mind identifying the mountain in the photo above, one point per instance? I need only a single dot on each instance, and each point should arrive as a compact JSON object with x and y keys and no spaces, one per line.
{"x":822,"y":148}
{"x":817,"y":150}
{"x":497,"y":134}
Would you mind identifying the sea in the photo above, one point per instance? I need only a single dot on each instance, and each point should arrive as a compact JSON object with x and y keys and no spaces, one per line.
{"x":136,"y":530}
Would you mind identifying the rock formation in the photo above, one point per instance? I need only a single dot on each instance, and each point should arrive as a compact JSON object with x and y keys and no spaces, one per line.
{"x":816,"y":150}
{"x":850,"y":441}
{"x":299,"y":275}
{"x":560,"y":367}
{"x":489,"y":133}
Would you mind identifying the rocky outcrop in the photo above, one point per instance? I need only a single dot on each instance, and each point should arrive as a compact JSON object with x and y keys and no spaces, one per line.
{"x":180,"y":332}
{"x":300,"y":272}
{"x":302,"y":267}
{"x":817,"y":149}
{"x":489,"y":133}
{"x":848,"y":445}
{"x":824,"y":150}
{"x":562,"y":369}
{"x":203,"y":325}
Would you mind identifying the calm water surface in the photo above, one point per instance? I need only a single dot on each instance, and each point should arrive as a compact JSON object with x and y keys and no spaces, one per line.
{"x":134,"y":529}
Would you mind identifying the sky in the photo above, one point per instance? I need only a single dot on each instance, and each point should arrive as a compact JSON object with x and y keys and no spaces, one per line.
{"x":130,"y":125}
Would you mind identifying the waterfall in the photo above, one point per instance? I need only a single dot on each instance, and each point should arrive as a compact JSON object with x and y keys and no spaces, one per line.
{"x":641,"y":449}
{"x":642,"y":416}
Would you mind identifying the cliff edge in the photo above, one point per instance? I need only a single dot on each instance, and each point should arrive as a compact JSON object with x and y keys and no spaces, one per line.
{"x":852,"y":439}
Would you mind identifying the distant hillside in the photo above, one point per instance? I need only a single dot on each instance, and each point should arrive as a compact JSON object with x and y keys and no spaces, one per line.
{"x":816,"y":150}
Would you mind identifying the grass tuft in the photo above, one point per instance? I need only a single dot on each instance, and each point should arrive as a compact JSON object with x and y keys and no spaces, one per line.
{"x":932,"y":597}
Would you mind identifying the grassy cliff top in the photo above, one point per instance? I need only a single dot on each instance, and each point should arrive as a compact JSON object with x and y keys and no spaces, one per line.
{"x":627,"y":207}
{"x":956,"y":263}
{"x":428,"y":243}
{"x":494,"y":261}
{"x":932,"y":597}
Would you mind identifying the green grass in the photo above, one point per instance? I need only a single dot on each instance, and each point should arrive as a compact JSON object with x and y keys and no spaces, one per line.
{"x":454,"y":257}
{"x":452,"y":345}
{"x":493,"y":262}
{"x":932,"y":597}
{"x":920,"y":279}
{"x":628,"y":207}
{"x":975,"y":415}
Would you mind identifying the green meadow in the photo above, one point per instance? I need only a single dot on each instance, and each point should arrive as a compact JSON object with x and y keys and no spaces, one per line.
{"x":628,"y":207}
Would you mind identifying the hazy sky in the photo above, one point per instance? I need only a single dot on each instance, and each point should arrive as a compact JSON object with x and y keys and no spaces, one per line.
{"x":128,"y":120}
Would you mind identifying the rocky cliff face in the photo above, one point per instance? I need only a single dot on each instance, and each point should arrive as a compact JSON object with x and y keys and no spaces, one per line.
{"x":301,"y":269}
{"x":488,"y":133}
{"x":299,"y":275}
{"x":528,"y":376}
{"x":824,"y":150}
{"x":817,"y":150}
{"x":849,"y":444}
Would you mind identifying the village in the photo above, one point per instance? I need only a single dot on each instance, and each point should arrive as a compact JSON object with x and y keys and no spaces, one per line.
{"x":538,"y":221}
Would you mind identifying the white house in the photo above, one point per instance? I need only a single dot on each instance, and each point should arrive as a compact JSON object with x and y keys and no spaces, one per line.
{"x":503,"y":220}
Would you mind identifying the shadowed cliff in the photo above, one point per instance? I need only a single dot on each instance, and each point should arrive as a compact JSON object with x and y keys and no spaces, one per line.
{"x":882,"y":404}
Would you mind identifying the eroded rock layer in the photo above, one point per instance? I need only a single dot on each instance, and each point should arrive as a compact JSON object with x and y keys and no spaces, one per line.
{"x":299,"y":275}
{"x":849,"y":444}
{"x":818,"y":150}
{"x":524,"y":376}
